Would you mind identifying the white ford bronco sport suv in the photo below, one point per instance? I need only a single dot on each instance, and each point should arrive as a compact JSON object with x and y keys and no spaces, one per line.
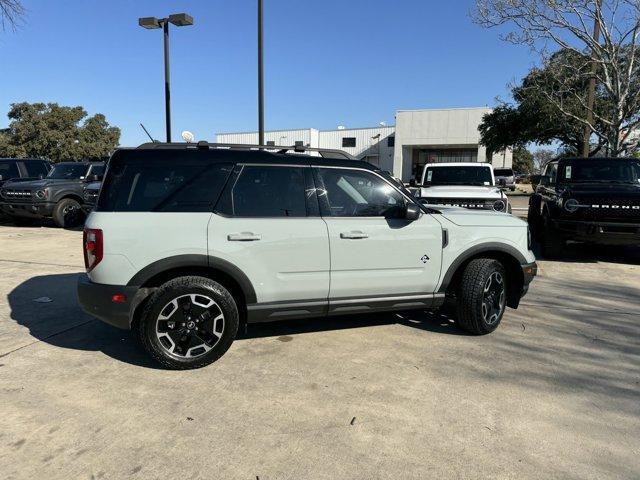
{"x":189,"y":242}
{"x":470,"y":185}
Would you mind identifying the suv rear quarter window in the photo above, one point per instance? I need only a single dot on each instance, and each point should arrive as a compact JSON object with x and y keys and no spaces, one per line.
{"x":165,"y":184}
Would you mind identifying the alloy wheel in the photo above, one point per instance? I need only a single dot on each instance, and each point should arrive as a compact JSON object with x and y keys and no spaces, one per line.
{"x":190,"y":325}
{"x":493,"y":298}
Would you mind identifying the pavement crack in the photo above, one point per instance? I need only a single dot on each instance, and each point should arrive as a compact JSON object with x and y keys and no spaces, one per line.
{"x":45,"y":338}
{"x":40,"y":263}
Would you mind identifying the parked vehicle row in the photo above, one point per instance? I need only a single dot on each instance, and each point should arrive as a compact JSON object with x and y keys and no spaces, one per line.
{"x":56,"y":193}
{"x":216,"y":237}
{"x":593,"y":200}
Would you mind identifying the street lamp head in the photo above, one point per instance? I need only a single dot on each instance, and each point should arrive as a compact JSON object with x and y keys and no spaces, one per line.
{"x":149,"y":22}
{"x":181,"y":19}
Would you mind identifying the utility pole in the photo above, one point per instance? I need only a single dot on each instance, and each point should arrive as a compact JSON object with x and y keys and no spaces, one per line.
{"x":260,"y":78}
{"x":591,"y":96}
{"x":167,"y":81}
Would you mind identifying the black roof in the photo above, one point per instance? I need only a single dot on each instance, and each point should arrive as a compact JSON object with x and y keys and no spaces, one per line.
{"x":245,"y":153}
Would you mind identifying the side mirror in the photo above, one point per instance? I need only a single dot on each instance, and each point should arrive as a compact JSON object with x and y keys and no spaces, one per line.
{"x":412,"y":182}
{"x":412,"y":213}
{"x":92,"y":178}
{"x":502,"y":182}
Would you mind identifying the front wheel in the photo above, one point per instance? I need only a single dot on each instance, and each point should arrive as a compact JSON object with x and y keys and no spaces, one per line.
{"x":67,"y":213}
{"x":482,"y":296}
{"x":189,"y":322}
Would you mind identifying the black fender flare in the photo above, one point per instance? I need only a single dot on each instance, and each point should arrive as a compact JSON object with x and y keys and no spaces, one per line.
{"x":197,"y":261}
{"x":68,"y":194}
{"x":490,"y":247}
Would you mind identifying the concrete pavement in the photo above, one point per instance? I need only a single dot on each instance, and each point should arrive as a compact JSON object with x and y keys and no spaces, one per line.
{"x":553,"y":393}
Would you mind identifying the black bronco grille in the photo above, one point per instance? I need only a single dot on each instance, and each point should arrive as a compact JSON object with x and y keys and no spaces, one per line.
{"x":607,"y":208}
{"x":15,"y":194}
{"x":474,"y":203}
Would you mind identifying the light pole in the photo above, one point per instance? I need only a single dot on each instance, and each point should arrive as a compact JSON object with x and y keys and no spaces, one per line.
{"x":150,"y":23}
{"x":260,"y":77}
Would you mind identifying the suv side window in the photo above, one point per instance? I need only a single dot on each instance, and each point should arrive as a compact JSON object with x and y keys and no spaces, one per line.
{"x":9,"y":170}
{"x":265,"y":191}
{"x":97,"y":170}
{"x":36,"y":169}
{"x":357,"y":193}
{"x":551,"y":172}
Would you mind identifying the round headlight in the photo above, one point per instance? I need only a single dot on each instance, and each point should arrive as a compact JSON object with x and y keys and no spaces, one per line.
{"x":41,"y":194}
{"x":499,"y":205}
{"x":571,"y":205}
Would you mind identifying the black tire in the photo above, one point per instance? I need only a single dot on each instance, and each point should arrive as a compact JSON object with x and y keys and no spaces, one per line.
{"x":533,"y":217}
{"x":480,"y":311}
{"x":551,"y":242}
{"x":170,"y":345}
{"x":68,"y":213}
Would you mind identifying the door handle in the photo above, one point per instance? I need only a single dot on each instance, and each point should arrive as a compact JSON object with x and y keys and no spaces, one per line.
{"x":243,"y":237}
{"x":355,"y":235}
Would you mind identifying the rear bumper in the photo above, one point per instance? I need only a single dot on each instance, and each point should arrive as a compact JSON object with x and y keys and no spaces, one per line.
{"x":605,"y":233}
{"x":96,"y":300}
{"x":29,"y":210}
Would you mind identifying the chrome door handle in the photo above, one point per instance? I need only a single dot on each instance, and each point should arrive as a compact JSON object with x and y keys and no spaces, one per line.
{"x":353,"y":235}
{"x":243,"y":237}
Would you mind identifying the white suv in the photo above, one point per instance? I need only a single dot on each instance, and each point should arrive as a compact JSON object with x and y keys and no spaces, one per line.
{"x":469,"y":185}
{"x":187,"y":242}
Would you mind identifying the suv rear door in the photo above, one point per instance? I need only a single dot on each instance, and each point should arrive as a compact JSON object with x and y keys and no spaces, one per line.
{"x":377,"y":255}
{"x":267,"y":224}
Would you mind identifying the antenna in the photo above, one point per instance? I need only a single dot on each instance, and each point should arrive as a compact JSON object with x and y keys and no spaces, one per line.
{"x":148,"y":134}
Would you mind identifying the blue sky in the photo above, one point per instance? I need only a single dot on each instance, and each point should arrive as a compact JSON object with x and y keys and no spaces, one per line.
{"x":327,"y":63}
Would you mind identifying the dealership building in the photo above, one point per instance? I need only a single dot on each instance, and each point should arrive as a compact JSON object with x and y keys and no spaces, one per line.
{"x":418,"y":137}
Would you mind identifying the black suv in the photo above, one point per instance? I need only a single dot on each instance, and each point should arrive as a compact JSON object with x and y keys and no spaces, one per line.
{"x":594,"y":200}
{"x":22,"y":168}
{"x":59,"y":195}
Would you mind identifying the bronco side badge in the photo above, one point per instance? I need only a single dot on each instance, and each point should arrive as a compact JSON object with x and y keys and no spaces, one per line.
{"x":424,"y":259}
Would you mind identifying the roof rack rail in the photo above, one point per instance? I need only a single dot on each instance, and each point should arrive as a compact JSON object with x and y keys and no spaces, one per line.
{"x":203,"y":145}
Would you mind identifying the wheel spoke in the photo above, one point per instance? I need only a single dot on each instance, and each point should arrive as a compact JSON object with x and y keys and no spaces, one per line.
{"x":190,"y":325}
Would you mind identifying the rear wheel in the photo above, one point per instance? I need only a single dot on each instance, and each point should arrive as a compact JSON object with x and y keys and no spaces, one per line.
{"x":482,"y":296}
{"x":189,"y":322}
{"x":68,"y":213}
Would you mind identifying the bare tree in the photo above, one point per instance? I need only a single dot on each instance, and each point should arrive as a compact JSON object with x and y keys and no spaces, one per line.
{"x":611,"y":56}
{"x":11,"y":12}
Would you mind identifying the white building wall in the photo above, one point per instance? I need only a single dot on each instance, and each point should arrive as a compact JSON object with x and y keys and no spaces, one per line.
{"x":308,"y":136}
{"x":370,"y":142}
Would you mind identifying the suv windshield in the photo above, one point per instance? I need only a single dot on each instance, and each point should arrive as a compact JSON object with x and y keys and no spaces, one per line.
{"x":503,"y":172}
{"x":68,"y":171}
{"x":466,"y":175}
{"x":600,"y":170}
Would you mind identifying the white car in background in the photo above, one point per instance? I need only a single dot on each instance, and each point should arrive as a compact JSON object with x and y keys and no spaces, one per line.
{"x":507,"y":175}
{"x":468,"y":185}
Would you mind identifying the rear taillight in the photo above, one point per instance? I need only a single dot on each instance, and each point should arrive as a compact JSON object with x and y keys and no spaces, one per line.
{"x":93,"y":247}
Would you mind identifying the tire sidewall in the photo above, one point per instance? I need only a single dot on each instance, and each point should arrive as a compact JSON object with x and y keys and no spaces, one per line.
{"x":484,"y":326}
{"x":185,"y":286}
{"x":59,"y":216}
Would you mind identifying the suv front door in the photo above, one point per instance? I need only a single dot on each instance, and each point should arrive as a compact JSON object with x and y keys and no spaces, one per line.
{"x":378,"y":258}
{"x":267,"y":224}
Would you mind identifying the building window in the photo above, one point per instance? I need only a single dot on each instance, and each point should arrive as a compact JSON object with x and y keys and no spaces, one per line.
{"x":271,"y":143}
{"x":391,"y":141}
{"x":349,"y":142}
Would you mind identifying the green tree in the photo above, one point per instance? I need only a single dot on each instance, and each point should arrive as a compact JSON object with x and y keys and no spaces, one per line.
{"x":522,"y":160}
{"x":534,"y":117}
{"x":610,"y":57}
{"x":57,"y":133}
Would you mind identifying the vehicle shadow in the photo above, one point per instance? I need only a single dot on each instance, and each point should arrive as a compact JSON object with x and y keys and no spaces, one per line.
{"x":587,"y":253}
{"x":47,"y":305}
